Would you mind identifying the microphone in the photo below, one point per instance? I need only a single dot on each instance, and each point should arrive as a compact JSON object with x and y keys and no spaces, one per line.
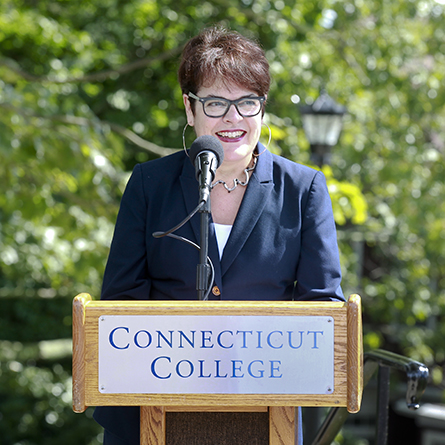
{"x":207,"y":154}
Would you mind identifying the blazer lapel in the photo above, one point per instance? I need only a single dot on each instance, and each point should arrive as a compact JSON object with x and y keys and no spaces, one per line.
{"x":254,"y":201}
{"x":190,"y":192}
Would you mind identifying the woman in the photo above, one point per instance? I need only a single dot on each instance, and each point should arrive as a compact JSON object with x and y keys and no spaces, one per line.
{"x":272,"y":233}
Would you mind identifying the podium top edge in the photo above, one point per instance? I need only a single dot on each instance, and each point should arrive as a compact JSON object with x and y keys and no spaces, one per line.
{"x":215,"y":304}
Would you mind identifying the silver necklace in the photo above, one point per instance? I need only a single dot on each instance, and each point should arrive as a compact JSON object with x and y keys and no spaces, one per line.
{"x":236,"y":181}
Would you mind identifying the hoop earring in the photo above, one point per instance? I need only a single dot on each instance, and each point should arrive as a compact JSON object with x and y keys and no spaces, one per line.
{"x":183,"y":139}
{"x":268,"y":142}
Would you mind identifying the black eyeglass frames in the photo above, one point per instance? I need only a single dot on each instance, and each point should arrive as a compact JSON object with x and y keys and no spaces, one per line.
{"x":218,"y":106}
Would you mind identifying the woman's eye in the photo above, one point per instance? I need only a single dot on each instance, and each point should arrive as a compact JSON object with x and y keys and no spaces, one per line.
{"x":248,"y":103}
{"x":216,"y":104}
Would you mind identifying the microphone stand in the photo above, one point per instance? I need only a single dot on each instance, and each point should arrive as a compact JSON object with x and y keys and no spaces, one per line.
{"x":203,"y":268}
{"x":206,"y":162}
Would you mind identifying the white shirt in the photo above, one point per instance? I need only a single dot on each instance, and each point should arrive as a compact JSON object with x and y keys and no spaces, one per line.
{"x":222,"y":232}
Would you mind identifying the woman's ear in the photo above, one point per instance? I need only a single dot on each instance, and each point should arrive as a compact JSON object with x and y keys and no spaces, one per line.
{"x":188,"y":110}
{"x":264,"y":110}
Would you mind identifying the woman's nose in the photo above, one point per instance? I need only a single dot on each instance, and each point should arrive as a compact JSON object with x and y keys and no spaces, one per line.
{"x":232,"y":114}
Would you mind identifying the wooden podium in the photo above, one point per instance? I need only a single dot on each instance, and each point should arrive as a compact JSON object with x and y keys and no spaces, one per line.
{"x":89,"y":374}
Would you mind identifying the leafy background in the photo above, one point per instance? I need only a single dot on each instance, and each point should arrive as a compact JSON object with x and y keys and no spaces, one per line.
{"x":88,"y":89}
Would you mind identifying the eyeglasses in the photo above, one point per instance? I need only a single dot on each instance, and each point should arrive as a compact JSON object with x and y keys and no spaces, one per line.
{"x":218,"y":106}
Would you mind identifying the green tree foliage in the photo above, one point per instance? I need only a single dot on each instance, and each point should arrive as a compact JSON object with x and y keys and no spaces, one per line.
{"x":88,"y":89}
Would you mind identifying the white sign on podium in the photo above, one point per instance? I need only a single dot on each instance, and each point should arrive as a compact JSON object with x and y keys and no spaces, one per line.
{"x":172,"y":354}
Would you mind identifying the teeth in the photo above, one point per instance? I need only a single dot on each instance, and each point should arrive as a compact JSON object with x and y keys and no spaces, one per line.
{"x":231,"y":134}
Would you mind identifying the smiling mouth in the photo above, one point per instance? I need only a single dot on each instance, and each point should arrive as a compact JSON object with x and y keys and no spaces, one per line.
{"x":231,"y":134}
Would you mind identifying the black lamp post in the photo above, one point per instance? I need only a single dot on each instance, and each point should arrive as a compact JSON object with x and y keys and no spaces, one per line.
{"x":322,"y":124}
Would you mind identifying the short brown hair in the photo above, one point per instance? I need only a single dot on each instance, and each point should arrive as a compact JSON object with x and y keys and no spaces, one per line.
{"x":216,"y":53}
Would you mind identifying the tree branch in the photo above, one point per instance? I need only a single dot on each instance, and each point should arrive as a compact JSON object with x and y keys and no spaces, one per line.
{"x":93,"y":77}
{"x":84,"y":122}
{"x":140,"y":142}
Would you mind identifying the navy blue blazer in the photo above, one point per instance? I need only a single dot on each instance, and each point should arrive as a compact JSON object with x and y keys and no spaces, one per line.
{"x":283,"y":244}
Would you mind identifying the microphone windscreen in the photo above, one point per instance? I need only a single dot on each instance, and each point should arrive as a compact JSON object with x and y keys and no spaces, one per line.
{"x":207,"y":143}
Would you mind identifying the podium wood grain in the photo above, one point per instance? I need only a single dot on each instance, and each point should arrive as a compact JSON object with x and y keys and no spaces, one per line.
{"x":153,"y":418}
{"x":355,"y":354}
{"x":282,"y":425}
